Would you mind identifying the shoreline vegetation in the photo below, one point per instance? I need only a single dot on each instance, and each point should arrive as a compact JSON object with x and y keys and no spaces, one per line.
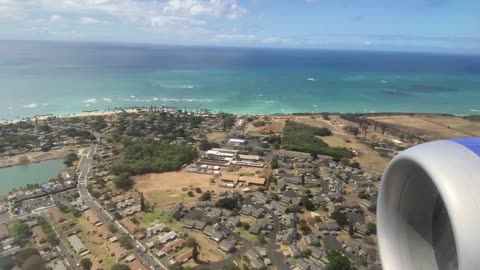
{"x":309,"y":136}
{"x":117,"y":110}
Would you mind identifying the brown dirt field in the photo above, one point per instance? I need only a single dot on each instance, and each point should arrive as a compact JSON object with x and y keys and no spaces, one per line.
{"x":276,"y":126}
{"x":369,"y":159}
{"x":431,"y":127}
{"x":208,"y":250}
{"x":94,"y":243}
{"x":165,"y":189}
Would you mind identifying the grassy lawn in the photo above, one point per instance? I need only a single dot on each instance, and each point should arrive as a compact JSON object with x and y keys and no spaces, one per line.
{"x":246,"y":235}
{"x":208,"y":250}
{"x":147,"y":219}
{"x":94,"y":243}
{"x":291,"y":261}
{"x":216,"y":136}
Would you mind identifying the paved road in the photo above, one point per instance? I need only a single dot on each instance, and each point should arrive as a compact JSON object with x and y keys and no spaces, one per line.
{"x":62,"y":247}
{"x":140,"y":250}
{"x":272,"y":249}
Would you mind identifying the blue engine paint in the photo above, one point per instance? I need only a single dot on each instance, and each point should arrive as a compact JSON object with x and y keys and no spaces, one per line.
{"x":472,"y":143}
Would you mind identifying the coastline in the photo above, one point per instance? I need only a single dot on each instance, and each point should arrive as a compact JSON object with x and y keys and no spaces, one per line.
{"x":109,"y":112}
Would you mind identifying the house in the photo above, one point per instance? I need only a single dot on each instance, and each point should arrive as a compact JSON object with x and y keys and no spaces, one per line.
{"x":137,"y":265}
{"x":311,"y":240}
{"x":253,"y":180}
{"x":184,"y":256}
{"x":295,"y":252}
{"x":164,"y":238}
{"x":316,"y":252}
{"x":92,"y":217}
{"x":227,"y":245}
{"x":173,"y":245}
{"x":361,"y":229}
{"x":327,"y":226}
{"x":291,"y":220}
{"x":129,"y":225}
{"x":39,"y":235}
{"x":257,"y":226}
{"x":205,"y":204}
{"x":117,"y":251}
{"x":261,"y":198}
{"x":233,"y":221}
{"x":278,"y":207}
{"x":303,"y":264}
{"x":355,"y":244}
{"x":77,"y":244}
{"x":155,"y":229}
{"x":104,"y":231}
{"x":175,"y":210}
{"x":255,"y":259}
{"x":290,"y":236}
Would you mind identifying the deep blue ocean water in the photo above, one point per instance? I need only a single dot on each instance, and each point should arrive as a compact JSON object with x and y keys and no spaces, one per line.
{"x":60,"y":78}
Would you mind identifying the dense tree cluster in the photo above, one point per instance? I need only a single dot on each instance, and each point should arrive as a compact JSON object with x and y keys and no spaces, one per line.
{"x":99,"y":123}
{"x":355,"y":118}
{"x":303,"y":138}
{"x":149,"y":156}
{"x":227,"y":203}
{"x":205,"y":145}
{"x":340,"y":218}
{"x":73,"y":132}
{"x":337,"y":262}
{"x":72,"y":157}
{"x":123,"y":181}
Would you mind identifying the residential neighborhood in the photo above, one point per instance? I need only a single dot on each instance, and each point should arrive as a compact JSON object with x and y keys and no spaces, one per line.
{"x":165,"y":188}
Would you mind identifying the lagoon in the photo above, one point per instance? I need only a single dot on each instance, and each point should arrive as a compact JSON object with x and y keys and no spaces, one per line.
{"x":33,"y":173}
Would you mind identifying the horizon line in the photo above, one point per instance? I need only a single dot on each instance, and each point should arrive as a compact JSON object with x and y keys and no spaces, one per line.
{"x":155,"y":44}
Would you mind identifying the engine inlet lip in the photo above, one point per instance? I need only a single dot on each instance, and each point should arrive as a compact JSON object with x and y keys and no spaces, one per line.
{"x":453,"y":171}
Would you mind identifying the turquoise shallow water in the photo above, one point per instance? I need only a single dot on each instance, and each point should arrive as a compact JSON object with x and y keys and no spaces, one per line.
{"x":58,"y":78}
{"x":34,"y":173}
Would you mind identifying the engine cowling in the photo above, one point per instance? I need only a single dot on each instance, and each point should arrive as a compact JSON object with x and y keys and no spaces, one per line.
{"x":428,"y":213}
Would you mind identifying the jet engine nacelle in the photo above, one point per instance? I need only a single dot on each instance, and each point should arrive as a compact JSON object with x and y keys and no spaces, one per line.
{"x":428,"y":213}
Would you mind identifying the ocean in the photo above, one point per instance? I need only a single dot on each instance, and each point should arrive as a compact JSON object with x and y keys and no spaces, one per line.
{"x":62,"y":78}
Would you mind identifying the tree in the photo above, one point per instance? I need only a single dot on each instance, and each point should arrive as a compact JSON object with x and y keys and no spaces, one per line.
{"x":191,"y":242}
{"x":86,"y":264}
{"x":123,"y":181}
{"x":274,"y":196}
{"x":190,"y":193}
{"x":6,"y":262}
{"x":112,"y":228}
{"x":304,"y":227}
{"x":21,"y":228}
{"x":372,"y":228}
{"x":142,"y":202}
{"x":275,"y":163}
{"x":206,"y":196}
{"x":337,"y":262}
{"x":227,"y":203}
{"x":340,"y":218}
{"x":198,"y":190}
{"x":317,"y":219}
{"x":305,"y":202}
{"x":120,"y":266}
{"x":34,"y":262}
{"x":228,"y":122}
{"x":125,"y":242}
{"x":351,"y":231}
{"x":24,"y":254}
{"x":261,"y":239}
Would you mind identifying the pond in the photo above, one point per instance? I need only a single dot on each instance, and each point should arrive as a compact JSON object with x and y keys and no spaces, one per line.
{"x":33,"y":173}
